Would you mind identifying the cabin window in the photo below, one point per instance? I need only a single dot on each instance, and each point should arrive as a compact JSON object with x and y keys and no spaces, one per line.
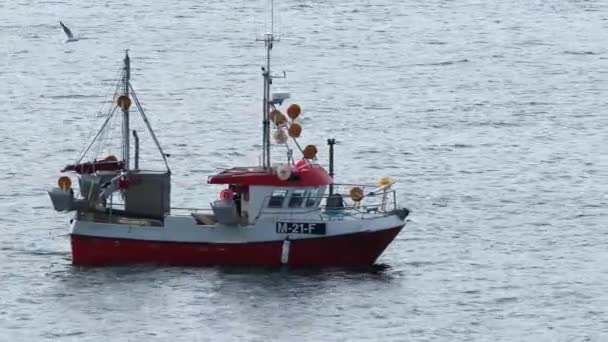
{"x":312,"y":197}
{"x":296,"y":199}
{"x":277,"y":198}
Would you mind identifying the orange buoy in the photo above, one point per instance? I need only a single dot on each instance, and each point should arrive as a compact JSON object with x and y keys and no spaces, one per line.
{"x":356,"y":194}
{"x":310,"y":151}
{"x":295,"y":130}
{"x":385,"y":181}
{"x":293,"y":111}
{"x":64,"y":182}
{"x":123,"y":102}
{"x":226,"y":195}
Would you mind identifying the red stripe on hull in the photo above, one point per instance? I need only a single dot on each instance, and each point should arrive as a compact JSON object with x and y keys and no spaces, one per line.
{"x":359,"y":249}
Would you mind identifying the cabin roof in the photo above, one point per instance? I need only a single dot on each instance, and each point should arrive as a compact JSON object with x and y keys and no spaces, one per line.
{"x":308,"y":176}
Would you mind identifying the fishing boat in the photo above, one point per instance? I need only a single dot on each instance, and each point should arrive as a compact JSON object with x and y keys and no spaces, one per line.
{"x":272,"y":214}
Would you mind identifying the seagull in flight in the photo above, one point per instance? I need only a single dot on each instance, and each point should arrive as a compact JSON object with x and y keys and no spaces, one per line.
{"x":68,"y":33}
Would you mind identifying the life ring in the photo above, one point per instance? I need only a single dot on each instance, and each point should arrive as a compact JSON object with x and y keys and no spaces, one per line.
{"x":356,"y":194}
{"x":226,"y":195}
{"x":64,"y":182}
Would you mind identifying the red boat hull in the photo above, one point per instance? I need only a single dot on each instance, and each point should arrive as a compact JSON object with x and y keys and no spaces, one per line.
{"x":358,"y":249}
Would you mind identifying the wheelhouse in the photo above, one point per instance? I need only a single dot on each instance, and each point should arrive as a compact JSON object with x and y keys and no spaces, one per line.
{"x":256,"y":190}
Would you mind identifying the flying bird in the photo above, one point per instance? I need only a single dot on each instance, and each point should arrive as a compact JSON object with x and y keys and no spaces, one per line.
{"x":68,"y":33}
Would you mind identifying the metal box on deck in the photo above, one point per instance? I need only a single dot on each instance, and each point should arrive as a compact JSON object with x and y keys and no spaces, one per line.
{"x":148,"y":194}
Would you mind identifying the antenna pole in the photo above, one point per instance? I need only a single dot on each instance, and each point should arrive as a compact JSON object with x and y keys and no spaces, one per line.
{"x":269,"y":39}
{"x":268,"y":42}
{"x":125,"y":111}
{"x":267,"y":101}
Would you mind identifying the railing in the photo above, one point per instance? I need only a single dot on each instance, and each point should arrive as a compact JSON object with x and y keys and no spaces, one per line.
{"x":370,"y":192}
{"x":117,"y":217}
{"x":183,"y":211}
{"x":375,"y":202}
{"x":383,"y":198}
{"x":338,"y":206}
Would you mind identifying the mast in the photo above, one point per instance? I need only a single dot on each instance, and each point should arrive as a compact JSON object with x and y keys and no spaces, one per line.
{"x":125,"y":111}
{"x":268,"y":42}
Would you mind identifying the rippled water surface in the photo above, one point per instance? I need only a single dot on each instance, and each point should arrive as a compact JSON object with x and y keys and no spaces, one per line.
{"x":491,"y":116}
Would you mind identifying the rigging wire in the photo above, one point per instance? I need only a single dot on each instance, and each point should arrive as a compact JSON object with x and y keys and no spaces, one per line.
{"x":109,"y":112}
{"x":106,"y":138}
{"x":145,"y":119}
{"x":96,"y":136}
{"x":115,"y":85}
{"x":108,"y":133}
